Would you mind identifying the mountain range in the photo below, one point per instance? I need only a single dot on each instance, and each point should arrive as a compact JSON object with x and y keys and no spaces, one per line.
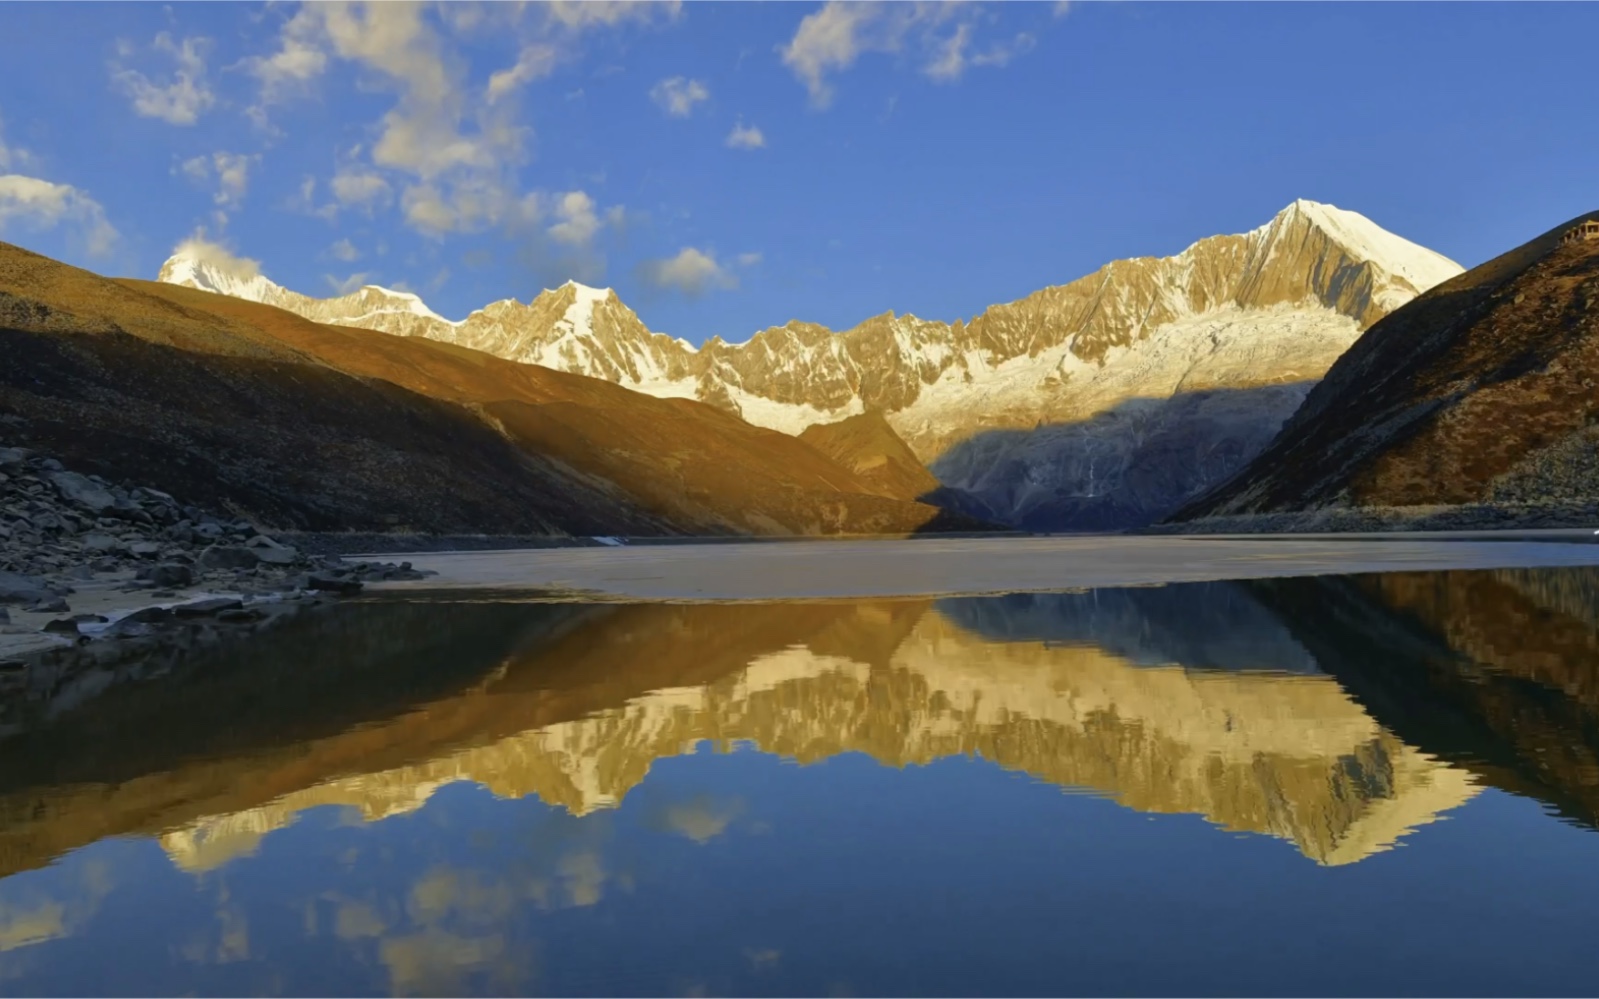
{"x":1103,"y":402}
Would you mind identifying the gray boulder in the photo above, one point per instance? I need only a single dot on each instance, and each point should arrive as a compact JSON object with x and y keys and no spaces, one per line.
{"x":100,"y":543}
{"x":277,"y":555}
{"x":16,"y":588}
{"x":229,"y":557}
{"x":172,"y":574}
{"x":333,"y":584}
{"x":127,"y":509}
{"x":83,"y":492}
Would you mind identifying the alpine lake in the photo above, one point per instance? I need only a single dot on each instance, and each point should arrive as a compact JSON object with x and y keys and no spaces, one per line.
{"x":1381,"y":784}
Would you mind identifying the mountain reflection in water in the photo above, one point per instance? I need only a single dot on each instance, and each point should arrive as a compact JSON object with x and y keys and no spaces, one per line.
{"x":1339,"y":715}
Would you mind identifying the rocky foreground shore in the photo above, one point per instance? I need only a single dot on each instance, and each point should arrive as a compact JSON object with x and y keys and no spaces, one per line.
{"x":89,"y":562}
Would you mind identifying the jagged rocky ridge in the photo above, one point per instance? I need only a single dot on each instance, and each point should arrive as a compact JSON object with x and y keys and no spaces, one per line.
{"x":1050,"y":410}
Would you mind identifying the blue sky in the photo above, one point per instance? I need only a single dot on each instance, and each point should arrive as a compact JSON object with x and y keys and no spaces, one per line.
{"x":731,"y":166}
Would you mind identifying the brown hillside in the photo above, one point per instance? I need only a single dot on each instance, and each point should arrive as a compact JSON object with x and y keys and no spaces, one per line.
{"x":1480,"y":391}
{"x":325,"y":427}
{"x":869,"y":447}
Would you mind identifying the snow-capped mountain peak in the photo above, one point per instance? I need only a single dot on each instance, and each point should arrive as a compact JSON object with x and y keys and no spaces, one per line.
{"x":192,"y":267}
{"x":580,"y":314}
{"x":409,"y":301}
{"x":208,"y":268}
{"x":1417,"y":265}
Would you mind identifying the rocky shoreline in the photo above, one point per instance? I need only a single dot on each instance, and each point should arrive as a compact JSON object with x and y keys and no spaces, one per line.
{"x":108,"y":569}
{"x":1363,"y":520}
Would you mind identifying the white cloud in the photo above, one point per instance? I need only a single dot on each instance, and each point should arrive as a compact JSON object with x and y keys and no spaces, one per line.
{"x":344,"y":286}
{"x":1001,"y":53}
{"x":299,"y":59}
{"x":184,"y":98}
{"x":29,"y":202}
{"x":466,"y":204}
{"x":355,"y":186}
{"x":581,"y":14}
{"x":15,"y":157}
{"x":448,"y":149}
{"x":198,"y":167}
{"x":217,"y":256}
{"x":463,"y":175}
{"x":950,"y":61}
{"x":826,"y":40}
{"x":938,"y":36}
{"x":231,"y":171}
{"x":691,"y":271}
{"x":460,"y":155}
{"x":678,"y":95}
{"x":428,"y":211}
{"x":579,"y":224}
{"x":535,"y":63}
{"x":304,"y":201}
{"x":344,"y":250}
{"x":746,"y":137}
{"x":748,"y":259}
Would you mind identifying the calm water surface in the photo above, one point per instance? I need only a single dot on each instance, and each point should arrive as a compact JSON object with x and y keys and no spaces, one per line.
{"x":1369,"y":785}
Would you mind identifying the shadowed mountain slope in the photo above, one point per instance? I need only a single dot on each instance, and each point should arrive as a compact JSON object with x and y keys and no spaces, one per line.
{"x":326,"y":427}
{"x":1125,"y":467}
{"x":1480,"y":391}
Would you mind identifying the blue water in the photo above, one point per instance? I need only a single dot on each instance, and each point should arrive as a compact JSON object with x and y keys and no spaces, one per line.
{"x":868,"y":799}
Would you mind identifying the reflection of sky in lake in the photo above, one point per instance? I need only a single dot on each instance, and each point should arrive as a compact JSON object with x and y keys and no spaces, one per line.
{"x":855,"y":799}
